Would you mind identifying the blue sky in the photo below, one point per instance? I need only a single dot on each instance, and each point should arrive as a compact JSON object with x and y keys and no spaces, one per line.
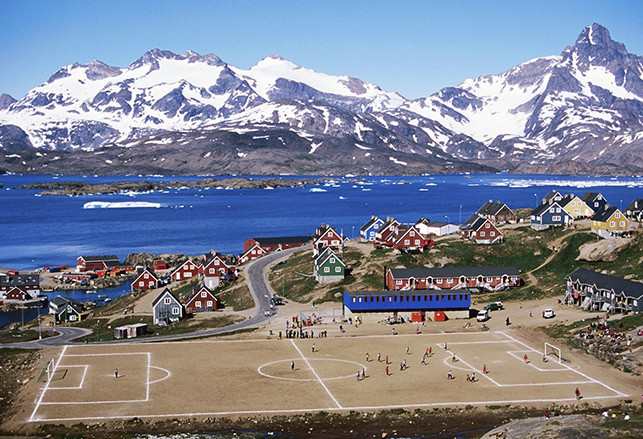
{"x":413,"y":47}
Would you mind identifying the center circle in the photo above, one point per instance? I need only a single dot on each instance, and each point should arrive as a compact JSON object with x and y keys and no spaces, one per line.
{"x":281,"y":369}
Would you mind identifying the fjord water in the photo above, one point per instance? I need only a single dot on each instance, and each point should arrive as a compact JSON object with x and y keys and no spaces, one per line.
{"x":41,"y":231}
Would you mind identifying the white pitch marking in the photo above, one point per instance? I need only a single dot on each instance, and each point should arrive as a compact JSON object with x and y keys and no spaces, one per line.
{"x":169,"y":374}
{"x":93,"y":402}
{"x":334,"y":409}
{"x":478,"y":342}
{"x":42,"y":395}
{"x":473,"y":368}
{"x":259,"y":369}
{"x":315,"y":373}
{"x":513,"y":354}
{"x":108,"y":354}
{"x":147,"y":391}
{"x":80,"y":386}
{"x":569,"y":368}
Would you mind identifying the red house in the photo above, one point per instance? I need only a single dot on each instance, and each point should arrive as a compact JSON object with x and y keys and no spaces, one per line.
{"x":159,"y":264}
{"x":481,"y":230}
{"x":253,"y":252}
{"x":497,"y":213}
{"x":91,"y":263}
{"x":326,"y":236}
{"x":186,"y":270}
{"x":276,"y":243}
{"x":202,"y":300}
{"x":384,"y":232}
{"x":447,"y":278}
{"x":145,"y":281}
{"x":17,"y":294}
{"x":408,"y":238}
{"x":219,"y":268}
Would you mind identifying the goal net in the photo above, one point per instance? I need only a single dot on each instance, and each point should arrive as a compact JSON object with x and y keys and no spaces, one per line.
{"x":551,"y":350}
{"x":46,"y":371}
{"x":322,"y":315}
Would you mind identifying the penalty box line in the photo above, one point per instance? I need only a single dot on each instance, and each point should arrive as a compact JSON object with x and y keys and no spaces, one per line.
{"x":315,"y":373}
{"x":82,"y":380}
{"x":567,"y":367}
{"x":42,"y":395}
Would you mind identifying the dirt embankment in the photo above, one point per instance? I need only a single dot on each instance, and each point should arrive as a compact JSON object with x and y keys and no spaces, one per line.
{"x":606,"y":250}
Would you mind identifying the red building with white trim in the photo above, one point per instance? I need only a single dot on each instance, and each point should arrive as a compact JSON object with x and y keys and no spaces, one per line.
{"x":147,"y":280}
{"x":446,"y":278}
{"x":202,"y":300}
{"x":187,"y":270}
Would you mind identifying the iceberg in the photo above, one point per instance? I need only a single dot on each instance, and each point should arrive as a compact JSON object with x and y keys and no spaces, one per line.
{"x":119,"y":205}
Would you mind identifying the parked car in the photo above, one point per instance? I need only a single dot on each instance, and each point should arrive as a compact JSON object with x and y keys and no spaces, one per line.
{"x":548,"y":313}
{"x":494,"y":306}
{"x":483,"y":315}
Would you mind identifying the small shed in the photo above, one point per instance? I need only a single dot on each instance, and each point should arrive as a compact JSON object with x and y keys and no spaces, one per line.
{"x":130,"y":331}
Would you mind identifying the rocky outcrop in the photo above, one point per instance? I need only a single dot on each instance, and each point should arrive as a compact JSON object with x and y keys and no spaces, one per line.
{"x":147,"y":259}
{"x":605,"y":250}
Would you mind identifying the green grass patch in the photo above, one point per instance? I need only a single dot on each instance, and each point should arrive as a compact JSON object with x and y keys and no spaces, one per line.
{"x":235,"y":296}
{"x":18,"y":336}
{"x":293,"y":278}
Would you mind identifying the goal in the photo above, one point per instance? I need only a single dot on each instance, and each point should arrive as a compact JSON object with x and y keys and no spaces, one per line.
{"x":47,"y":370}
{"x":550,"y":349}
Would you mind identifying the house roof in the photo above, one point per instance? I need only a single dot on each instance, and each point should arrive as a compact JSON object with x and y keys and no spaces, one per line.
{"x":198,"y":291}
{"x":256,"y":246}
{"x":436,"y":223}
{"x":282,"y":240}
{"x":321,"y":261}
{"x":544,"y":206}
{"x":551,"y":194}
{"x":474,"y":222}
{"x":20,"y":280}
{"x":150,"y":272}
{"x":605,"y":214}
{"x":405,"y":292}
{"x":635,"y":205}
{"x":453,"y":272}
{"x":102,"y":258}
{"x":491,"y":208}
{"x":165,"y":292}
{"x":229,"y":260}
{"x":370,"y":223}
{"x":61,"y":301}
{"x":588,"y":197}
{"x":606,"y":282}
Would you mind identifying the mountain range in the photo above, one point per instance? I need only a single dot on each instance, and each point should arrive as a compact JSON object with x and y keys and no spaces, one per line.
{"x":580,"y":112}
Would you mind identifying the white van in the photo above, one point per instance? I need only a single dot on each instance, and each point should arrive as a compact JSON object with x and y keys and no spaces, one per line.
{"x":483,"y":315}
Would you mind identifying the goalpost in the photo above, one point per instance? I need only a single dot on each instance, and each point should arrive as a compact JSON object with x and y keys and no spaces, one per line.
{"x":550,"y":349}
{"x":47,"y":370}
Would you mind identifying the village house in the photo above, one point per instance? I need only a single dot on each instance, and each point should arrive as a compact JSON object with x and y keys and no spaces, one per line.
{"x":29,"y":284}
{"x":635,"y":210}
{"x":609,"y":222}
{"x":595,"y":201}
{"x":91,"y":263}
{"x":254,"y":252}
{"x":326,"y":236}
{"x":276,"y":243}
{"x":481,"y":230}
{"x":552,"y":196}
{"x":497,"y":212}
{"x":147,"y":280}
{"x":576,"y":207}
{"x":550,"y":214}
{"x":202,"y":299}
{"x":407,"y":238}
{"x":601,"y":292}
{"x":328,"y":267}
{"x":437,"y":228}
{"x":447,"y":278}
{"x":218,"y":268}
{"x":166,"y":308}
{"x":388,"y":227}
{"x":368,"y":231}
{"x":66,"y":310}
{"x":187,"y":270}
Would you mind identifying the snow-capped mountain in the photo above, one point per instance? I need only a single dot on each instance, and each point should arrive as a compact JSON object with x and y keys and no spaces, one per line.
{"x":581,"y":111}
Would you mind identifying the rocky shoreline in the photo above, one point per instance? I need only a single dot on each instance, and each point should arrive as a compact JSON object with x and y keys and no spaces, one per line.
{"x":70,"y":188}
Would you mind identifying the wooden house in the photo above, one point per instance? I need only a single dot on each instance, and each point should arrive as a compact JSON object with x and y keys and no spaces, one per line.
{"x":576,"y":207}
{"x":202,"y":299}
{"x":187,"y":270}
{"x":147,"y":280}
{"x":635,"y":210}
{"x":497,"y":212}
{"x":385,"y":230}
{"x":219,"y":268}
{"x":446,"y":278}
{"x":278,"y":243}
{"x":66,"y":310}
{"x":595,"y":200}
{"x":437,"y":228}
{"x":16,"y":293}
{"x":166,"y":308}
{"x":481,"y":230}
{"x":254,"y":252}
{"x":28,"y":283}
{"x":609,"y":222}
{"x":91,"y":263}
{"x":328,"y":267}
{"x":601,"y":292}
{"x":550,"y":214}
{"x":368,"y":231}
{"x":326,"y":236}
{"x":552,"y":196}
{"x":408,"y":239}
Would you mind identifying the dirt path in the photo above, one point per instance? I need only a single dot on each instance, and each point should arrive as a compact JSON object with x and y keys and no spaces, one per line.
{"x":557,"y":243}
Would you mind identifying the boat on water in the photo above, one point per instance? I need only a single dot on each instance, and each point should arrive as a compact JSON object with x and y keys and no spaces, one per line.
{"x":107,"y":300}
{"x":91,"y":291}
{"x":101,"y":296}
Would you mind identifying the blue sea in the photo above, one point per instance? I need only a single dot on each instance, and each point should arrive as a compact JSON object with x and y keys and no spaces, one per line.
{"x":39,"y":231}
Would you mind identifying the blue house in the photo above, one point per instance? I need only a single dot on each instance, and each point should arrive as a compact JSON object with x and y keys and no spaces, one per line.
{"x":456,"y":302}
{"x":368,"y":230}
{"x":595,"y":200}
{"x":550,"y":214}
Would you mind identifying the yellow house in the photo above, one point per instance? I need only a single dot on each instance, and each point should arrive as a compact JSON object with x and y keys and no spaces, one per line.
{"x":576,"y":207}
{"x":609,"y":222}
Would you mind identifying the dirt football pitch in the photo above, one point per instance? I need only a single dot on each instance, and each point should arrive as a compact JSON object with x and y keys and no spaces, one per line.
{"x":246,"y":377}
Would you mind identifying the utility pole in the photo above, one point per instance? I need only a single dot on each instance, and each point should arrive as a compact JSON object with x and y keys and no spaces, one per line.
{"x":461,"y":214}
{"x":39,"y":331}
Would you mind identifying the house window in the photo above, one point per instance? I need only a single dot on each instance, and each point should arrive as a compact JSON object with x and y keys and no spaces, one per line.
{"x":326,"y":269}
{"x":188,"y":274}
{"x":555,"y":218}
{"x":442,"y":297}
{"x":175,"y":311}
{"x":481,"y":233}
{"x":167,"y":300}
{"x":558,"y":210}
{"x":487,"y":225}
{"x":617,"y":215}
{"x":430,"y":298}
{"x":417,"y":242}
{"x":332,"y":260}
{"x":612,"y":224}
{"x":492,"y":234}
{"x":209,"y":304}
{"x":73,"y":317}
{"x":390,"y":299}
{"x":211,"y":270}
{"x":334,"y":242}
{"x":197,"y":304}
{"x":353,"y":300}
{"x":359,"y":299}
{"x":449,"y":281}
{"x":398,"y":282}
{"x":146,"y":276}
{"x":338,"y":269}
{"x":141,"y":284}
{"x":204,"y":294}
{"x":622,"y":223}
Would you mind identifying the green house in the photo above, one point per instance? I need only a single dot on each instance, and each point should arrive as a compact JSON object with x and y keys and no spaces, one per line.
{"x":329,"y":267}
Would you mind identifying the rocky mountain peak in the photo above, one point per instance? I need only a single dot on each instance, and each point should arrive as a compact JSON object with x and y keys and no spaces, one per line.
{"x":99,"y":70}
{"x":6,"y":100}
{"x":594,"y":46}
